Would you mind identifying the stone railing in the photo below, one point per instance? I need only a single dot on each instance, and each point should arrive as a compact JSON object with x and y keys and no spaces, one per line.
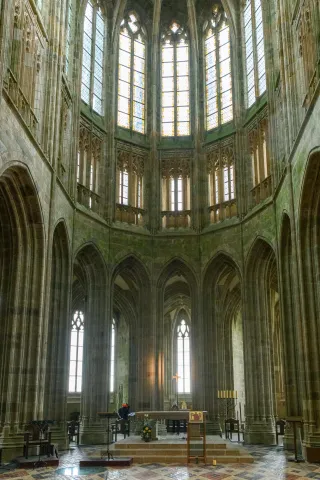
{"x":223,"y":211}
{"x":176,"y":219}
{"x":262,"y":191}
{"x":17,"y":97}
{"x":129,"y":214}
{"x":89,"y":199}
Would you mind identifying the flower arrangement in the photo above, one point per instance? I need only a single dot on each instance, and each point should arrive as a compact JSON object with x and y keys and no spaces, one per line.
{"x":146,"y":430}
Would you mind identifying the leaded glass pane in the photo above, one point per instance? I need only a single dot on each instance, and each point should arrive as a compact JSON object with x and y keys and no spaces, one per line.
{"x":85,"y":93}
{"x":227,"y":114}
{"x":138,"y":79}
{"x":211,"y":74}
{"x":182,"y":68}
{"x":167,"y":54}
{"x":123,"y":120}
{"x":138,"y":110}
{"x":168,"y":129}
{"x":224,"y":52}
{"x":124,"y":58}
{"x":123,"y":104}
{"x":224,"y":36}
{"x":225,"y":67}
{"x":226,"y":83}
{"x":183,"y":84}
{"x":139,"y":49}
{"x":211,"y":59}
{"x":138,"y":64}
{"x":124,"y":89}
{"x":212,"y":106}
{"x":182,"y":98}
{"x":97,"y":104}
{"x":183,"y":114}
{"x":124,"y":73}
{"x":182,"y":53}
{"x":138,"y":124}
{"x":167,"y":84}
{"x":211,"y":90}
{"x":168,"y":99}
{"x":212,"y":121}
{"x":167,"y":69}
{"x":210,"y":44}
{"x":125,"y":42}
{"x":167,"y":114}
{"x":183,"y":128}
{"x":138,"y":94}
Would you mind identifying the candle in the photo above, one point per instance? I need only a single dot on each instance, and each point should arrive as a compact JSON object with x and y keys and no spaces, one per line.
{"x":236,"y":393}
{"x":218,"y":393}
{"x":214,"y":462}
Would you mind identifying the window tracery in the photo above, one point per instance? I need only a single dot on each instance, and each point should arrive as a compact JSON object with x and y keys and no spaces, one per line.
{"x":258,"y":142}
{"x":176,"y":173}
{"x":88,"y":166}
{"x":254,"y":49}
{"x":76,"y":352}
{"x":221,"y":178}
{"x":175,"y":97}
{"x":68,"y":45}
{"x":92,"y":78}
{"x":183,"y":357}
{"x":131,"y":74}
{"x":218,"y":74}
{"x":130,"y":188}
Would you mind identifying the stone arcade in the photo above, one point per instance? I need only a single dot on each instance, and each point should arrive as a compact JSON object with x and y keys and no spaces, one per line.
{"x":159,"y":213}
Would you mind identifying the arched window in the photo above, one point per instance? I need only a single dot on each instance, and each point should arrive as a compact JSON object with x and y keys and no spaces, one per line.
{"x":92,"y":58}
{"x":131,"y":75}
{"x":219,"y":101}
{"x":175,"y":112}
{"x":76,"y":352}
{"x":112,"y":354}
{"x":254,"y":47}
{"x":183,"y":357}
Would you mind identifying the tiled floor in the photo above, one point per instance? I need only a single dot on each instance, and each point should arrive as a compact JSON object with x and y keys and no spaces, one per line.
{"x":270,"y":464}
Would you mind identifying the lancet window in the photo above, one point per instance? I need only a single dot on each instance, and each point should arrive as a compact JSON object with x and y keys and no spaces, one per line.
{"x":258,"y":141}
{"x":218,"y":75}
{"x":131,"y":74}
{"x":112,"y":354}
{"x":175,"y":191}
{"x":175,"y":98}
{"x":183,"y":356}
{"x":92,"y":77}
{"x":76,"y":352}
{"x":221,"y":181}
{"x":254,"y":49}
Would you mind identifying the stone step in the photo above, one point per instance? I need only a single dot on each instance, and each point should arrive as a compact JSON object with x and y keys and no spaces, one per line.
{"x":171,"y":452}
{"x":158,"y":446}
{"x":182,"y":459}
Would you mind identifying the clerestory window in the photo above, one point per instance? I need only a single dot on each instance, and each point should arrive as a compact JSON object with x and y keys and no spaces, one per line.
{"x":175,"y":98}
{"x":76,"y":352}
{"x":131,"y":75}
{"x":254,"y":49}
{"x":183,"y":356}
{"x":218,"y":75}
{"x":92,"y":78}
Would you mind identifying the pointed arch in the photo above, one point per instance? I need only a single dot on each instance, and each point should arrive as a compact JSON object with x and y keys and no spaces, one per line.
{"x":22,"y":240}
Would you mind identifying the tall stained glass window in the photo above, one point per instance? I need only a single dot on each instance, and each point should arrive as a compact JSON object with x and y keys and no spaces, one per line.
{"x":76,"y":352}
{"x":183,"y":357}
{"x":254,"y":48}
{"x":218,"y":75}
{"x":175,"y":111}
{"x":112,"y":354}
{"x":92,"y":58}
{"x":68,"y":51}
{"x":131,"y":75}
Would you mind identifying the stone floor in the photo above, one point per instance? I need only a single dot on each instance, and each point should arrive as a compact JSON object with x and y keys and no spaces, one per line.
{"x":270,"y":464}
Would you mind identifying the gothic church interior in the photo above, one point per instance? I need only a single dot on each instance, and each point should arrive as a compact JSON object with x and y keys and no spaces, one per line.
{"x":159,"y":214}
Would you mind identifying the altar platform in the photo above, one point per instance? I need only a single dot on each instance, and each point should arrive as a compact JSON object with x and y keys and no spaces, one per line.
{"x":173,"y":449}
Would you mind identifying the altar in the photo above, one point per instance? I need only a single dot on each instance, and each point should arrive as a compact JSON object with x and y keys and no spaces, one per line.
{"x":161,"y":416}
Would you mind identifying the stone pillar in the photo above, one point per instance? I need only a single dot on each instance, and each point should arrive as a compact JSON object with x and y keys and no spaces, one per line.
{"x":259,"y":412}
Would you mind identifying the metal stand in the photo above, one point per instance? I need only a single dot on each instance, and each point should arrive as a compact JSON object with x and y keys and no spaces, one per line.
{"x":109,"y":454}
{"x":295,"y":421}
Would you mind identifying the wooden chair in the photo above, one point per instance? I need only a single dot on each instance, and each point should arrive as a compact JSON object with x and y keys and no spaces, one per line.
{"x":33,"y":437}
{"x":280,"y":425}
{"x":232,"y":426}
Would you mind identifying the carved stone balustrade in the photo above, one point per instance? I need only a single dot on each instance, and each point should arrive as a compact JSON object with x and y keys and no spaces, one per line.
{"x":129,"y":214}
{"x":176,"y":219}
{"x":262,"y":191}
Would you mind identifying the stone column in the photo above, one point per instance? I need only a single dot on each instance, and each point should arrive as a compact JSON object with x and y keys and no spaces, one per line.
{"x":259,"y":412}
